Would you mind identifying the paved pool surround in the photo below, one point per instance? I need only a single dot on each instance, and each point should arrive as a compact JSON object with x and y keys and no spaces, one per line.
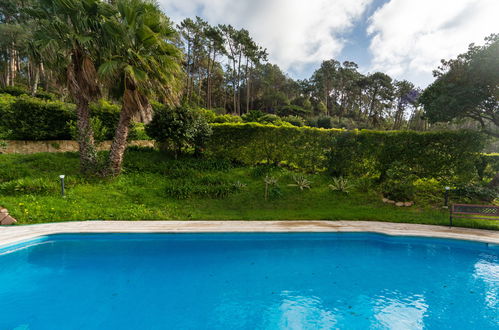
{"x":16,"y":234}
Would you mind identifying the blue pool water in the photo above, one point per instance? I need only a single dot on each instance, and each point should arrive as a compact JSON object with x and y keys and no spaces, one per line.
{"x":248,"y":281}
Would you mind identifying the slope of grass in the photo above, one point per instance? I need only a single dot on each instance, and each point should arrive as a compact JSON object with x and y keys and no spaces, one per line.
{"x":151,"y":184}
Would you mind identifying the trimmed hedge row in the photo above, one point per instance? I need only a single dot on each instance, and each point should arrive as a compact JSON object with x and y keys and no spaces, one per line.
{"x":35,"y":119}
{"x":30,"y":118}
{"x":253,"y":143}
{"x":443,"y":155}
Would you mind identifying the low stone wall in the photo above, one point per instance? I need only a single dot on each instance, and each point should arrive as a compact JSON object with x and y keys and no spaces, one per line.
{"x":31,"y":147}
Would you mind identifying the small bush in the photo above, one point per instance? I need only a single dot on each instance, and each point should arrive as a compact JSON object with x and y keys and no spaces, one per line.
{"x":475,"y":192}
{"x":15,"y":90}
{"x":301,"y":182}
{"x":294,"y":120}
{"x":341,"y":184}
{"x":227,"y":119}
{"x":399,"y":191}
{"x":324,"y":122}
{"x":178,"y":129}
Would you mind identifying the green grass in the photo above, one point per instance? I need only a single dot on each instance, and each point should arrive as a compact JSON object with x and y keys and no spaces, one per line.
{"x":29,"y":188}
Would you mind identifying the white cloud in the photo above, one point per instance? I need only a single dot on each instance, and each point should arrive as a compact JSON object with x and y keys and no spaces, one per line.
{"x":296,"y":33}
{"x":409,"y":38}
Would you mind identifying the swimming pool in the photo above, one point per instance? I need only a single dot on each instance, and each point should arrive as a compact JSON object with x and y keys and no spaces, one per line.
{"x":248,"y":281}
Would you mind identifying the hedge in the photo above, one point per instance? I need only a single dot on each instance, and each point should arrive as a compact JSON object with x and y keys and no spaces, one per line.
{"x":445,"y":155}
{"x":253,"y":143}
{"x":35,"y":119}
{"x":30,"y":118}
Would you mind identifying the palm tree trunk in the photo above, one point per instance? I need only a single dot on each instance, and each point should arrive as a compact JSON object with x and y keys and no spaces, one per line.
{"x":119,"y":144}
{"x":88,"y":155}
{"x":36,"y":79}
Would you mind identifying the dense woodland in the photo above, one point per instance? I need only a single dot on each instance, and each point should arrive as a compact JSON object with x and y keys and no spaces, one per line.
{"x":130,"y":54}
{"x":226,"y":70}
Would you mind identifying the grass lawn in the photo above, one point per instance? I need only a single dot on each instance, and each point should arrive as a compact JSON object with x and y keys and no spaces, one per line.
{"x":151,"y":184}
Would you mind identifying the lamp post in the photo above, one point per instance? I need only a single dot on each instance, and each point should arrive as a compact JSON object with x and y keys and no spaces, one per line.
{"x":446,"y":203}
{"x":62,"y":176}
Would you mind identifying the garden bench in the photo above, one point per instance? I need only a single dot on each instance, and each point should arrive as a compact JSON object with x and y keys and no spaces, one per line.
{"x":469,"y":211}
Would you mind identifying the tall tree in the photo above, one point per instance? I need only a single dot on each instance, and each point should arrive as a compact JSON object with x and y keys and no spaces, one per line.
{"x":68,"y":35}
{"x":467,"y":87}
{"x":379,"y":90}
{"x":144,"y":61}
{"x":405,"y":95}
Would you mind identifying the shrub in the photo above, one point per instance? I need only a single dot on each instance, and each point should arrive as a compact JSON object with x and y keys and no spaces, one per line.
{"x":400,"y":191}
{"x":301,"y":182}
{"x":179,"y":128}
{"x":15,"y":90}
{"x":291,"y":110}
{"x":448,"y":156}
{"x":209,"y":115}
{"x":341,"y":184}
{"x":29,"y":118}
{"x":294,"y":120}
{"x":228,"y":119}
{"x":21,"y":90}
{"x":106,"y":116}
{"x":324,"y":122}
{"x":253,"y":143}
{"x":253,"y":116}
{"x":475,"y":192}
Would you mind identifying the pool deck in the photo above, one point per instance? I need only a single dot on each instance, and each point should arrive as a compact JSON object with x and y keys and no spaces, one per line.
{"x":15,"y":234}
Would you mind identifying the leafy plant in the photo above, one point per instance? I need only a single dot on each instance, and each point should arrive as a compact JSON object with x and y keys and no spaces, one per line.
{"x":272,"y":189}
{"x":341,"y":184}
{"x":178,"y":128}
{"x":301,"y":182}
{"x":475,"y":192}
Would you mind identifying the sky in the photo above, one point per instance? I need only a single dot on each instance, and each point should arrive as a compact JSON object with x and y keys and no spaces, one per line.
{"x":403,"y":38}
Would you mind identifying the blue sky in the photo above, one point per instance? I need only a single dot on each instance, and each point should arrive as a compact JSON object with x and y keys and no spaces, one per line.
{"x":404,"y":38}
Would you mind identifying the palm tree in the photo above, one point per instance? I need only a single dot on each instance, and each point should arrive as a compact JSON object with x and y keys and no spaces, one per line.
{"x":68,"y":38}
{"x":141,"y":63}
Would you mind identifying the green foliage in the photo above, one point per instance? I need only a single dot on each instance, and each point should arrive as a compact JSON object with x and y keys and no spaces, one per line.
{"x":291,"y":110}
{"x":449,"y":156}
{"x":399,"y":191}
{"x":139,"y":194}
{"x":209,"y":115}
{"x":29,"y":185}
{"x":301,"y":182}
{"x":474,"y":192}
{"x":227,"y":119}
{"x":30,"y":118}
{"x":324,"y":122}
{"x":272,"y":189}
{"x":253,"y":143}
{"x":294,"y":120}
{"x":204,"y":187}
{"x":14,"y":90}
{"x":429,"y":191}
{"x":341,"y":184}
{"x":179,"y":128}
{"x":466,"y":87}
{"x":253,"y":116}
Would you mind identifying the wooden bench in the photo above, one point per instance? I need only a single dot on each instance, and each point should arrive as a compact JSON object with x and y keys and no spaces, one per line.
{"x":469,"y":211}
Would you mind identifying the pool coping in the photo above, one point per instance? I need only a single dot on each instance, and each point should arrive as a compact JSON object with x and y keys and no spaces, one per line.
{"x":20,"y":233}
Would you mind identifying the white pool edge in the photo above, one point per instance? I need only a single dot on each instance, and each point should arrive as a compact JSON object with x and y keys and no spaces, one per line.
{"x":21,"y":233}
